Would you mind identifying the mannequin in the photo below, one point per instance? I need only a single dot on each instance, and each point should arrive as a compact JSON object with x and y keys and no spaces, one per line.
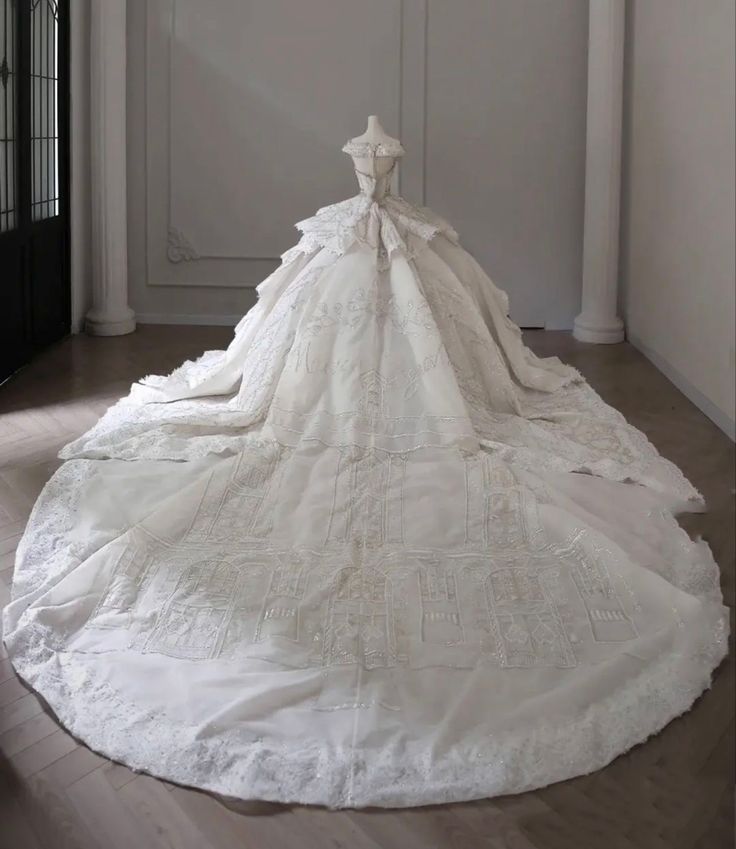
{"x":375,"y":152}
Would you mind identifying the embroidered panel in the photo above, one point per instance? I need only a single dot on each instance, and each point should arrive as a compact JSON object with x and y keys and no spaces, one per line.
{"x":526,"y":622}
{"x":367,"y":596}
{"x":280,"y":610}
{"x":368,"y":498}
{"x":499,"y":514}
{"x":609,"y":621}
{"x":360,"y":620}
{"x":302,"y":608}
{"x":239,"y":505}
{"x":193,"y":622}
{"x":131,"y":573}
{"x":441,"y":620}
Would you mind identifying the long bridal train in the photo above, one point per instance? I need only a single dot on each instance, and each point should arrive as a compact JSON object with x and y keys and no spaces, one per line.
{"x":375,"y":553}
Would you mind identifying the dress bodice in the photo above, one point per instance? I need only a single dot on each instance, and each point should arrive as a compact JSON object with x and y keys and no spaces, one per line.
{"x":374,"y":165}
{"x":375,"y":187}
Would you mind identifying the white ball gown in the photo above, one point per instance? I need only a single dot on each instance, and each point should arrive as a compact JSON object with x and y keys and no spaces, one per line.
{"x":374,"y":553}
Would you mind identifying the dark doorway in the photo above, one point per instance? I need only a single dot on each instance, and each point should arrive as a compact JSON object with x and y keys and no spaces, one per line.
{"x":34,"y":178}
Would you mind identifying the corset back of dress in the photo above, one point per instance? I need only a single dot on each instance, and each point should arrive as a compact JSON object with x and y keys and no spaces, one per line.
{"x":376,"y":187}
{"x":374,"y":164}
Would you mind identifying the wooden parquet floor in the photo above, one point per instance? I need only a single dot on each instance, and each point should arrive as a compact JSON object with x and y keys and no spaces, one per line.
{"x":674,"y":792}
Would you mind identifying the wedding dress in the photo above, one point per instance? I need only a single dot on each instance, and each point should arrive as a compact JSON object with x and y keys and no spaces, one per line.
{"x":374,"y":553}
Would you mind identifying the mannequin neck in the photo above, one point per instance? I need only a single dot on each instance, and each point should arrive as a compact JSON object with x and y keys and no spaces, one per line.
{"x":375,"y":134}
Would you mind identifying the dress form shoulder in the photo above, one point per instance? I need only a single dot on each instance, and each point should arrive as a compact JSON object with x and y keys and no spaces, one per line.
{"x":374,"y":142}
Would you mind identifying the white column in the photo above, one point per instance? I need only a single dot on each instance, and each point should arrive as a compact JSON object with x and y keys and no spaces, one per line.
{"x":110,"y":314}
{"x":598,"y":320}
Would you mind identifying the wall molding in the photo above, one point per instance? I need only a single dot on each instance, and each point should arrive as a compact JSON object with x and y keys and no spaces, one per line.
{"x":174,"y":255}
{"x":188,"y":253}
{"x":212,"y":74}
{"x":173,"y":247}
{"x":179,"y":248}
{"x":701,"y":401}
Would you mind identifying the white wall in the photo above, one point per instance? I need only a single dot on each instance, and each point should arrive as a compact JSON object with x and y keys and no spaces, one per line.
{"x":505,"y":143}
{"x":678,"y":225}
{"x":237,"y":112}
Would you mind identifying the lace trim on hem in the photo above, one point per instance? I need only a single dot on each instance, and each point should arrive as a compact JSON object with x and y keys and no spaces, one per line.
{"x":519,"y":761}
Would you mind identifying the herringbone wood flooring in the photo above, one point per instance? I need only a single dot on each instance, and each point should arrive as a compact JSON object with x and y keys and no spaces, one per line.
{"x":674,"y":792}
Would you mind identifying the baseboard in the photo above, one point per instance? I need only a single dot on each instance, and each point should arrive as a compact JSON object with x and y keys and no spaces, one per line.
{"x":558,"y":325}
{"x":174,"y":318}
{"x":704,"y":404}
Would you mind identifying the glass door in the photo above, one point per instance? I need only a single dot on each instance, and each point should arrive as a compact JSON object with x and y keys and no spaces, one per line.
{"x":34,"y":178}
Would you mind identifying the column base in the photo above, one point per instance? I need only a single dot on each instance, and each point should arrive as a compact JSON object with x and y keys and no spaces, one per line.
{"x":607,"y":332}
{"x":101,"y":325}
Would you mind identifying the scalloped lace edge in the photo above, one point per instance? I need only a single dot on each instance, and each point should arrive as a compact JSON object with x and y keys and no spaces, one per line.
{"x":523,"y":759}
